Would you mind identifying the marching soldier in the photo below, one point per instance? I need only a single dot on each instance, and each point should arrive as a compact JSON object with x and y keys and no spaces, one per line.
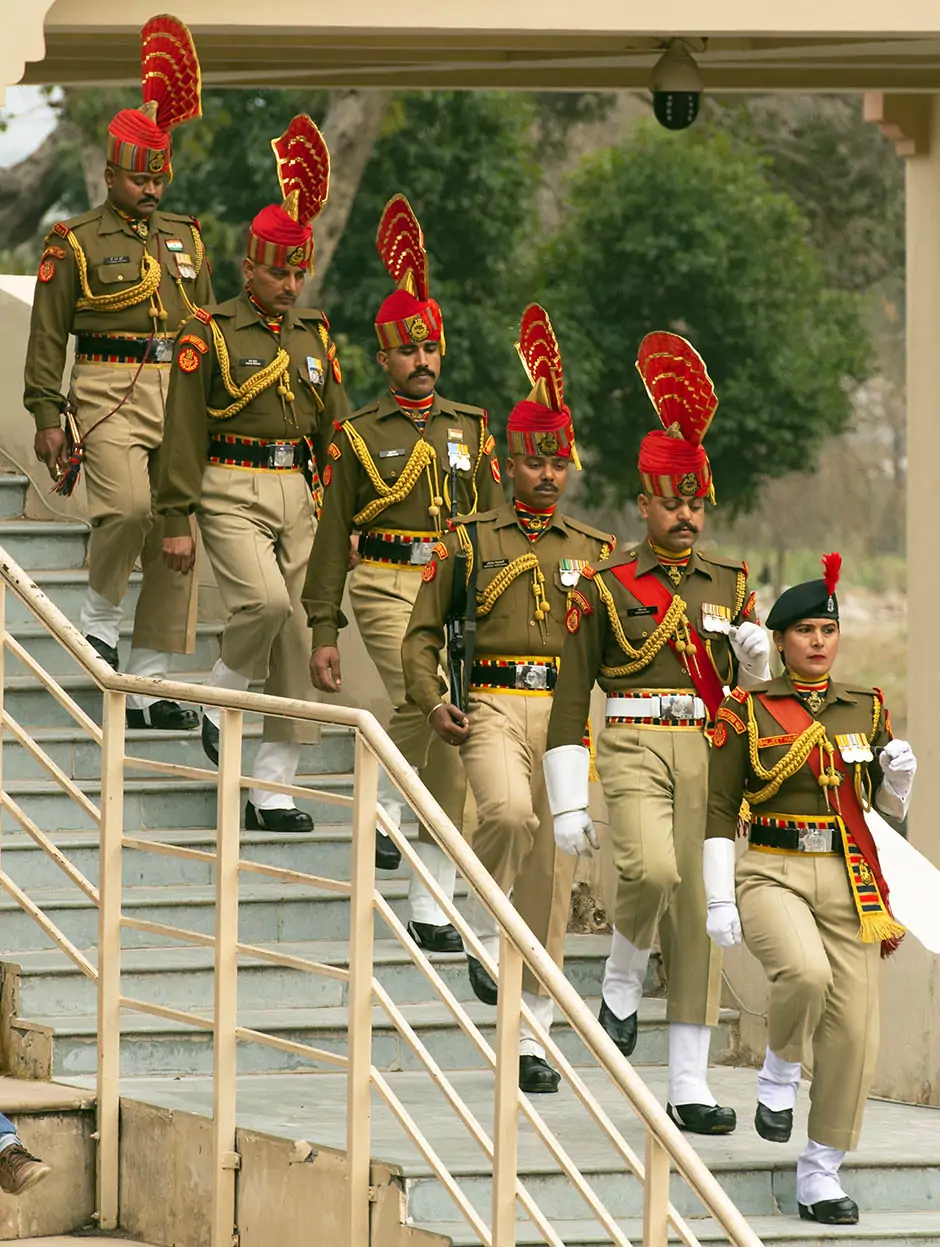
{"x":256,"y":388}
{"x":798,"y":761}
{"x":122,"y":278}
{"x":397,"y":470}
{"x":663,"y":629}
{"x":522,"y":564}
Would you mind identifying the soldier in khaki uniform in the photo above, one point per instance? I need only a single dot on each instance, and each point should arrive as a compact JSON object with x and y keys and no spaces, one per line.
{"x":122,"y":278}
{"x":256,"y":387}
{"x":525,"y":560}
{"x":662,"y":630}
{"x":798,"y":761}
{"x":397,"y":470}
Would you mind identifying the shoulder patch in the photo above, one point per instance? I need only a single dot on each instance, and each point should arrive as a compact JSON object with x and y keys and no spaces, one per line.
{"x":489,"y":445}
{"x":187,"y":360}
{"x":494,"y":468}
{"x":739,"y":694}
{"x":334,"y":451}
{"x":727,"y":715}
{"x":203,"y":315}
{"x":429,"y":571}
{"x":577,"y":598}
{"x":440,"y":550}
{"x":588,"y":572}
{"x":720,"y":735}
{"x":61,"y":229}
{"x":749,"y":605}
{"x":195,"y":341}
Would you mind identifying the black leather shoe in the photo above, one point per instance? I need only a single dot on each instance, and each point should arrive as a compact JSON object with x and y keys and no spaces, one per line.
{"x":842,"y":1211}
{"x":210,"y":739}
{"x":703,"y":1118}
{"x":106,"y":651}
{"x":435,"y":939}
{"x":622,"y":1031}
{"x":165,"y":716}
{"x":276,"y":820}
{"x":775,"y":1125}
{"x":537,"y":1077}
{"x":387,"y":855}
{"x":483,"y":986}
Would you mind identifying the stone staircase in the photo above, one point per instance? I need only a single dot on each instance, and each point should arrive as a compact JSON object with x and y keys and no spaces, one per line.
{"x":48,"y":1007}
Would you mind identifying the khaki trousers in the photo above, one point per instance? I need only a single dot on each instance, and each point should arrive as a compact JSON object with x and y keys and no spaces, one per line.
{"x":655,"y":784}
{"x":382,"y":598}
{"x":514,"y":837}
{"x":258,"y":530}
{"x":121,"y":459}
{"x":800,"y":922}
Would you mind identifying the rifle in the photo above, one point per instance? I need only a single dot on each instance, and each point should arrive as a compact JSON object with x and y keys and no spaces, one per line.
{"x":460,"y":625}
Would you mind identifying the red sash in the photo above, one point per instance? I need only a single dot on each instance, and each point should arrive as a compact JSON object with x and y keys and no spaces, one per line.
{"x":870,"y":888}
{"x":650,"y":591}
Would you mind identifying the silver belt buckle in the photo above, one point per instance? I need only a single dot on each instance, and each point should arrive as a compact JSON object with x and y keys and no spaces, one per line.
{"x":161,"y":351}
{"x":531,"y":677}
{"x":815,"y":839}
{"x":677,"y":706}
{"x":281,"y":455}
{"x":421,"y":552}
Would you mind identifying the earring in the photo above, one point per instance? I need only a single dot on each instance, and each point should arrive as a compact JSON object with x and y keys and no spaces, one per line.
{"x":779,"y":649}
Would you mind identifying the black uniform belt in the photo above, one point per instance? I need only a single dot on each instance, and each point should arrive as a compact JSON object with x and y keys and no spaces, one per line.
{"x":795,"y":835}
{"x":106,"y":348}
{"x":229,"y":451}
{"x":396,"y":548}
{"x":532,"y":675}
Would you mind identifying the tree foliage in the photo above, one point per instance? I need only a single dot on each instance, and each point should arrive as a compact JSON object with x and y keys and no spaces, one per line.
{"x":687,"y":233}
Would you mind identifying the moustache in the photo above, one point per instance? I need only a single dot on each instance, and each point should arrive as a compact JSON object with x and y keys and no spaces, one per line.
{"x":147,"y":200}
{"x":421,"y":372}
{"x":683,"y":528}
{"x":547,"y":488}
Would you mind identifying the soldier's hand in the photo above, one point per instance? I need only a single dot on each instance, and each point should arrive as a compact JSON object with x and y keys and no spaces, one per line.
{"x":325,"y":669}
{"x":50,"y":448}
{"x":179,"y":553}
{"x":450,"y":723}
{"x":353,"y":551}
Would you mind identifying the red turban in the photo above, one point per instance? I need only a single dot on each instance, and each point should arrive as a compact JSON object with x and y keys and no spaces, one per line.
{"x":671,"y":467}
{"x":409,"y":314}
{"x":673,"y":462}
{"x":534,"y":429}
{"x":403,"y":319}
{"x":275,"y":238}
{"x":138,"y":144}
{"x":541,"y":424}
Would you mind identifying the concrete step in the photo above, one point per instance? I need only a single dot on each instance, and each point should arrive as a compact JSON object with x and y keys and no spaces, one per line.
{"x":895,"y":1173}
{"x":151,"y":1045}
{"x":56,"y":1123}
{"x":150,"y":803}
{"x":67,"y":589}
{"x":80,"y":758}
{"x":58,"y":661}
{"x":13,"y":488}
{"x":29,"y":703}
{"x":50,"y":983}
{"x":47,"y":545}
{"x":269,"y":913}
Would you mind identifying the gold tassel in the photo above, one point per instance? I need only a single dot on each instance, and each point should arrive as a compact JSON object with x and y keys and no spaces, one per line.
{"x":593,"y":776}
{"x":877,"y":927}
{"x":575,"y":458}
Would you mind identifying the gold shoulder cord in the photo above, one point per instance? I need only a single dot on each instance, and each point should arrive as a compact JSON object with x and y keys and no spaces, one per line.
{"x":505,"y":577}
{"x":740,"y":593}
{"x":278,"y":370}
{"x":121,"y":299}
{"x":466,"y":545}
{"x":651,"y":647}
{"x":420,"y":460}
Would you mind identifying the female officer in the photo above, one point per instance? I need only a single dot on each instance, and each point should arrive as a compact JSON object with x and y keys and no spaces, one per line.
{"x":795,"y":764}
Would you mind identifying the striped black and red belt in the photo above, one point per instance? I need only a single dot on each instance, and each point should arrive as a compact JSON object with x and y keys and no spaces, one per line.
{"x":109,"y":348}
{"x":271,"y":455}
{"x":402,"y":549}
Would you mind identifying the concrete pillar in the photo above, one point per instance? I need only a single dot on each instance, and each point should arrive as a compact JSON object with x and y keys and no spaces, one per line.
{"x":923,"y":480}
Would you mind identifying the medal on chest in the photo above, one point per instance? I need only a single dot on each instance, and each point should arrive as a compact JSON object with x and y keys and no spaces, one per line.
{"x":314,"y":370}
{"x":569,"y":570}
{"x":854,"y":747}
{"x":184,"y":266}
{"x":458,"y":455}
{"x":715,"y":618}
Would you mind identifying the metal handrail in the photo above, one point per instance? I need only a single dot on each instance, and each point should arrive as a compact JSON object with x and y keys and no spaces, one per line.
{"x":666,"y":1146}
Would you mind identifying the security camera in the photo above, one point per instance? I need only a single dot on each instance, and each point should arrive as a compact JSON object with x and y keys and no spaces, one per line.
{"x":677,"y":86}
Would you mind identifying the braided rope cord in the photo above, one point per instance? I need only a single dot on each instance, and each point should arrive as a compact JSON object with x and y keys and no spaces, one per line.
{"x":118,"y":300}
{"x":640,"y":658}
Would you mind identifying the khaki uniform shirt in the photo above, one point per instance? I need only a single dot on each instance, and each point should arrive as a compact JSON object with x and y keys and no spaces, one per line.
{"x":507,"y":581}
{"x":384,"y":475}
{"x":847,"y":708}
{"x":618,"y":642}
{"x":91,"y":280}
{"x":217,"y":387}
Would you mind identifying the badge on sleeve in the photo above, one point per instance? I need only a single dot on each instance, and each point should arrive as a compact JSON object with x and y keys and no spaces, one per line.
{"x":489,"y":445}
{"x":440,"y":550}
{"x":188,"y":359}
{"x":429,"y":571}
{"x":573,"y":619}
{"x":333,"y":451}
{"x":327,"y":475}
{"x":720,"y":736}
{"x":494,"y":468}
{"x":47,"y":269}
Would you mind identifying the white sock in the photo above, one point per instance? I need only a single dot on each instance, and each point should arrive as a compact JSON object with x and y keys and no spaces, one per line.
{"x":424,"y":908}
{"x":688,"y":1064}
{"x":778,"y":1082}
{"x":277,"y":762}
{"x":153,"y":664}
{"x":624,"y":976}
{"x":544,"y":1008}
{"x":391,"y":800}
{"x":223,"y":677}
{"x":483,"y":925}
{"x":817,"y":1173}
{"x":101,"y":618}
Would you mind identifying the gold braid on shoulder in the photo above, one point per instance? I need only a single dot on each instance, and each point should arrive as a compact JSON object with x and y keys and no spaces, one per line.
{"x":641,"y":657}
{"x":277,"y":371}
{"x":876,"y":717}
{"x":793,"y":760}
{"x":504,"y":578}
{"x":419,"y":461}
{"x":740,"y":593}
{"x":118,"y":300}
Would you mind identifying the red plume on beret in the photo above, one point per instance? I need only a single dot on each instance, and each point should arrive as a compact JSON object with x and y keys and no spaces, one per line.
{"x":281,"y":234}
{"x":409,"y":315}
{"x":673,"y":462}
{"x":139,"y":139}
{"x":832,"y":569}
{"x":541,"y":424}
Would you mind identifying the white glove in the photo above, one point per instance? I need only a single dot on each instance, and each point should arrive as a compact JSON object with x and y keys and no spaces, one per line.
{"x":722,"y":923}
{"x":575,"y":834}
{"x":898,"y":766}
{"x":566,"y":784}
{"x":751,"y":646}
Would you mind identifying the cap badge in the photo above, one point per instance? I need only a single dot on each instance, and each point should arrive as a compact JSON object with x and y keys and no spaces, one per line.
{"x":688,"y":485}
{"x":417,"y":328}
{"x":157,"y":162}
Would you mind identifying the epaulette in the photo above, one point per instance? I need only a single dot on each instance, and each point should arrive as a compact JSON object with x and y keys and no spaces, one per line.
{"x":734,"y":565}
{"x":622,"y":559}
{"x":310,"y":313}
{"x":369,"y":410}
{"x":465,"y":409}
{"x":228,"y":307}
{"x":479,"y":517}
{"x":580,"y":527}
{"x":64,"y":228}
{"x":61,"y":229}
{"x":184,"y":218}
{"x":739,"y":695}
{"x":203,"y":315}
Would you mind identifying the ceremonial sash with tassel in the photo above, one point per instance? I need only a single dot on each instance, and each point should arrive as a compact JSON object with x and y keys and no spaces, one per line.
{"x":869,"y":889}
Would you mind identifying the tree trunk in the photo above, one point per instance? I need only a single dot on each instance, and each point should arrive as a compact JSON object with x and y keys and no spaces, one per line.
{"x":351,"y":126}
{"x":29,"y":189}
